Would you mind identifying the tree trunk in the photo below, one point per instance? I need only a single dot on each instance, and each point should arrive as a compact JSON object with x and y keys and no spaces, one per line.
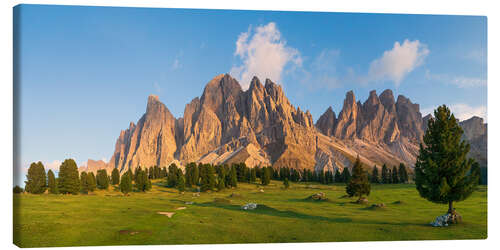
{"x":450,"y":207}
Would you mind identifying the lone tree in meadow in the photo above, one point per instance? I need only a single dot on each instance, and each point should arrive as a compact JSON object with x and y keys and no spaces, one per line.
{"x":115,"y":177}
{"x":359,"y":184}
{"x":443,"y":173}
{"x":36,"y":179}
{"x":51,"y":182}
{"x":102,"y":179}
{"x":126,"y":183}
{"x":69,"y":180}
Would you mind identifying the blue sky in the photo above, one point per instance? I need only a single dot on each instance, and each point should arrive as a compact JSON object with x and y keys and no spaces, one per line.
{"x":86,"y":72}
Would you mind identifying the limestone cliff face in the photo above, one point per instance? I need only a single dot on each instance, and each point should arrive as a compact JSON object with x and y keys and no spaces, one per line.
{"x":151,"y":142}
{"x":261,"y":127}
{"x":476,"y":133}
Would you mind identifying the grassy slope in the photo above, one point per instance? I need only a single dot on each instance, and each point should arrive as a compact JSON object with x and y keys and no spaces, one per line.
{"x":81,"y":220}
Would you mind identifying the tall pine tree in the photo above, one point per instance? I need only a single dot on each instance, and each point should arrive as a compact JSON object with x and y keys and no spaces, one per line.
{"x":375,"y":178}
{"x":36,"y":179}
{"x":403,"y":173}
{"x":51,"y":182}
{"x":115,"y":176}
{"x":358,"y":184}
{"x":102,"y":179}
{"x":126,"y":183}
{"x":443,"y":173}
{"x":69,"y":179}
{"x":385,"y":175}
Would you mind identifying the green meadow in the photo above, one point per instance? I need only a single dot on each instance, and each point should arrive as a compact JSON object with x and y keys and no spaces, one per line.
{"x":109,"y":218}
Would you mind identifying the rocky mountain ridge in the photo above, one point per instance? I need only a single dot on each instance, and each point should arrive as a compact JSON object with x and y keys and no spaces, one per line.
{"x":261,"y":127}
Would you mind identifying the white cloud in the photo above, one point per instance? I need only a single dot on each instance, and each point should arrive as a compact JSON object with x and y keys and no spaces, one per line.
{"x":461,"y":111}
{"x":264,"y":53}
{"x":396,"y":63}
{"x":459,"y":81}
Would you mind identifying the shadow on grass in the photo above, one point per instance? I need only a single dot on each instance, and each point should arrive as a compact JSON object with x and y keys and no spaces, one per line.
{"x":266,"y":210}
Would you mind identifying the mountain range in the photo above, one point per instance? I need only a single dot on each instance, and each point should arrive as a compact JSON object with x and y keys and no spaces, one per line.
{"x":261,"y":127}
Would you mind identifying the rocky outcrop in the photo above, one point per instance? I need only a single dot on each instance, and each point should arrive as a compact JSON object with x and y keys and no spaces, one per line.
{"x":261,"y":127}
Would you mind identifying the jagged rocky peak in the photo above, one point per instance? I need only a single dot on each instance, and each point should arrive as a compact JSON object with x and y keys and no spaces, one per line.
{"x":409,"y":119}
{"x":387,"y":99}
{"x":326,"y":122}
{"x":473,"y":127}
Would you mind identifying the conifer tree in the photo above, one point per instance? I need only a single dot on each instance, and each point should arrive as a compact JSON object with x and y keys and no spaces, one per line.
{"x":338,"y":176}
{"x":172,"y":177}
{"x":403,"y":174}
{"x":126,"y":183}
{"x":92,"y":181}
{"x":51,"y":182}
{"x":102,"y":179}
{"x":359,"y":184}
{"x":221,"y":185}
{"x":69,"y":179}
{"x":36,"y":179}
{"x":181,"y":185}
{"x":346,"y":175}
{"x":286,"y":184}
{"x":84,"y":184}
{"x":444,"y":174}
{"x":233,"y":177}
{"x":115,"y":177}
{"x":385,"y":174}
{"x":374,"y":177}
{"x":266,"y":176}
{"x":17,"y":189}
{"x":395,"y":177}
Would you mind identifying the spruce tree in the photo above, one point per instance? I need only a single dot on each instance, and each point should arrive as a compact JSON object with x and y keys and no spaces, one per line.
{"x":385,"y":174}
{"x":395,"y":175}
{"x":36,"y":179}
{"x":102,"y":179}
{"x":286,"y":184}
{"x":253,"y":175}
{"x":69,"y":179}
{"x":374,"y":177}
{"x":359,"y":184}
{"x":51,"y":182}
{"x":115,"y":176}
{"x":346,"y":175}
{"x":221,"y":185}
{"x":233,"y":177}
{"x":84,"y":184}
{"x":403,"y":174}
{"x":18,"y":190}
{"x":266,"y":176}
{"x":181,"y":185}
{"x":338,"y":176}
{"x":126,"y":183}
{"x":443,"y":172}
{"x":172,"y":177}
{"x":92,"y":181}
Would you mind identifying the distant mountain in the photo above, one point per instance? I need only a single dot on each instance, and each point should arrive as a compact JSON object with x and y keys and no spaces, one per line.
{"x":261,"y":127}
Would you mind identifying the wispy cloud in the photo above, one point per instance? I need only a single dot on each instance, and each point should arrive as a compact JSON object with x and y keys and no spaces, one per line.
{"x":263,"y":53}
{"x":462,"y":111}
{"x":459,"y":81}
{"x":398,"y":62}
{"x":176,"y":64}
{"x":322,"y":71}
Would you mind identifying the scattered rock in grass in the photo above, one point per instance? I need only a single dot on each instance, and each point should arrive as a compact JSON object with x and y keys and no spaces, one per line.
{"x":168,"y":214}
{"x":249,"y":206}
{"x":180,"y":208}
{"x":380,"y":205}
{"x":261,"y":190}
{"x":446,"y":219}
{"x":188,"y":202}
{"x":196,"y":194}
{"x":235,"y":195}
{"x":318,"y":197}
{"x":362,"y":200}
{"x":222,"y":201}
